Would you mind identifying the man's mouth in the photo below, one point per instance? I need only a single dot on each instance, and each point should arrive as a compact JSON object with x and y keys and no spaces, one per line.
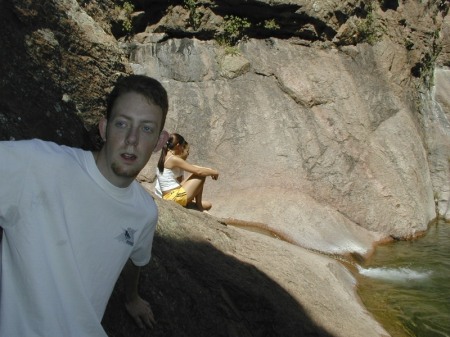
{"x":128,"y":156}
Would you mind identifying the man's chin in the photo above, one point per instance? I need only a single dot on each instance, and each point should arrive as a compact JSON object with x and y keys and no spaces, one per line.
{"x":125,"y":172}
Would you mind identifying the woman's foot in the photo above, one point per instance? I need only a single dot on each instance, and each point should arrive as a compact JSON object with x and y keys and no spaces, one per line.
{"x":206,"y":205}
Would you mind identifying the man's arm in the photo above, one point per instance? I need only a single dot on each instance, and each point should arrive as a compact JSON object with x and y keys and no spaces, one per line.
{"x":138,"y":308}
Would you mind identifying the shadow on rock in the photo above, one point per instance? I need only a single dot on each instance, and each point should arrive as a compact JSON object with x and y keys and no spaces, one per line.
{"x":196,"y":290}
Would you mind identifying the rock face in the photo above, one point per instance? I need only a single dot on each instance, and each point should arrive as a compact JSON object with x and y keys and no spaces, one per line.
{"x":443,"y":59}
{"x":326,"y":119}
{"x":54,"y":71}
{"x":324,"y":141}
{"x":436,"y":113}
{"x":332,"y":133}
{"x":209,"y":279}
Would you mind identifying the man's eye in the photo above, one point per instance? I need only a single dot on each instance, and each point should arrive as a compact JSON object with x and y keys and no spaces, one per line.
{"x":120,"y":124}
{"x":147,"y":129}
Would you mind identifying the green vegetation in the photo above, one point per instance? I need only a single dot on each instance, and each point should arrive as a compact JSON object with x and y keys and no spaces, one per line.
{"x":194,"y":16}
{"x":129,"y":9}
{"x":409,"y":45}
{"x":233,"y":30}
{"x":271,"y":24}
{"x":367,"y":28}
{"x":126,"y":9}
{"x":424,"y":69}
{"x":231,"y":50}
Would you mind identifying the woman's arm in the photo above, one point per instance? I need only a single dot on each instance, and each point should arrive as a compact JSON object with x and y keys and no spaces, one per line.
{"x":195,"y":169}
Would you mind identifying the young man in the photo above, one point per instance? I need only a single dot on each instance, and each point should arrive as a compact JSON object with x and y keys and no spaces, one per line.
{"x":72,"y":219}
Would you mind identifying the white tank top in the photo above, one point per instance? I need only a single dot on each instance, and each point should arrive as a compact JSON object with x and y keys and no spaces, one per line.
{"x":167,"y":180}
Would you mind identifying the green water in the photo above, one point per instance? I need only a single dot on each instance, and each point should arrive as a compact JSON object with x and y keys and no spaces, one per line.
{"x":406,"y":285}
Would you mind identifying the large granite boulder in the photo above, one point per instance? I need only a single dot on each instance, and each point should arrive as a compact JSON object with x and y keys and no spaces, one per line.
{"x":311,"y":142}
{"x":209,"y":279}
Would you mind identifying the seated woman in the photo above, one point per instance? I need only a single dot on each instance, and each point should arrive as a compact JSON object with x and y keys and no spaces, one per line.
{"x":171,"y":184}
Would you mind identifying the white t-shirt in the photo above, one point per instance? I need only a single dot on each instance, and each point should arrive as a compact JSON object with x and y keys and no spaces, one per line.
{"x":68,"y":232}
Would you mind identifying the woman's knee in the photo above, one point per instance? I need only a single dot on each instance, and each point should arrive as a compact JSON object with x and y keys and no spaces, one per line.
{"x":194,"y":178}
{"x":197,"y":177}
{"x":193,"y":187}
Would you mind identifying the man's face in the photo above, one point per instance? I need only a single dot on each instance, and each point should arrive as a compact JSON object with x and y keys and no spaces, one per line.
{"x":130,"y":135}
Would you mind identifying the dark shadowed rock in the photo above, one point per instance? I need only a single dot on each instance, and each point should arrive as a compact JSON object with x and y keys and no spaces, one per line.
{"x":57,"y":65}
{"x":209,"y":279}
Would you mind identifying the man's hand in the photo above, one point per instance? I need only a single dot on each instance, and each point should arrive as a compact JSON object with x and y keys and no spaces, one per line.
{"x":141,"y":312}
{"x":138,"y":308}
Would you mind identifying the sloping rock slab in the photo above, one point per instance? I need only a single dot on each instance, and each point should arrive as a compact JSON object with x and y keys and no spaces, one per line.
{"x":209,"y":279}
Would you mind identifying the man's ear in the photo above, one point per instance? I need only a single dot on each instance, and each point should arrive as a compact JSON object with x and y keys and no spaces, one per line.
{"x":163,"y":137}
{"x":102,"y":128}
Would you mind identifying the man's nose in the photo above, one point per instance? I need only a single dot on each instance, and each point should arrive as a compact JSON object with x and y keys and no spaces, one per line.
{"x":132,"y":136}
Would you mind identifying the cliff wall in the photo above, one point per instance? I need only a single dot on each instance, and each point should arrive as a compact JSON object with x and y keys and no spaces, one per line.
{"x":328,"y":133}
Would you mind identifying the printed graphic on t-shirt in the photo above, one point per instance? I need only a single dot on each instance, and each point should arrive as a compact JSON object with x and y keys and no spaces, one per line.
{"x":127,"y":236}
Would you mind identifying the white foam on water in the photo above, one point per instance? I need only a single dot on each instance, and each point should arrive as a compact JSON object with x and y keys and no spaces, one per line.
{"x":400,"y":274}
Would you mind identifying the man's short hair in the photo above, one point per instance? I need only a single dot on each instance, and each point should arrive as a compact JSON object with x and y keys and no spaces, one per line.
{"x":141,"y":84}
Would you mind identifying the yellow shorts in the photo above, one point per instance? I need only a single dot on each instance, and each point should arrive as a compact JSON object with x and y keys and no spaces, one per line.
{"x":178,"y":195}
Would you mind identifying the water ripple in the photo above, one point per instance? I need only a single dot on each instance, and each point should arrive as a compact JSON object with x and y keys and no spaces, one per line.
{"x":395,"y":274}
{"x":406,"y":285}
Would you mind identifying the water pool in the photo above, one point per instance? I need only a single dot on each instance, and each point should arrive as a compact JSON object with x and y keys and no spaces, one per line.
{"x":406,"y":285}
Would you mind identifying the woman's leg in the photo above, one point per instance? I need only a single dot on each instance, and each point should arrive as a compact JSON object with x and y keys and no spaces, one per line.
{"x":193,"y":186}
{"x":202,"y":205}
{"x":206,"y":205}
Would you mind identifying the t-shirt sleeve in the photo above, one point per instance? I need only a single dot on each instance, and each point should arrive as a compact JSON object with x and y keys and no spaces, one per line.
{"x":142,"y":253}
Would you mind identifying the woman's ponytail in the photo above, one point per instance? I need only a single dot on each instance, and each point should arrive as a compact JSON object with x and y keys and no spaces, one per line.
{"x":174,"y":140}
{"x":162,"y":158}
